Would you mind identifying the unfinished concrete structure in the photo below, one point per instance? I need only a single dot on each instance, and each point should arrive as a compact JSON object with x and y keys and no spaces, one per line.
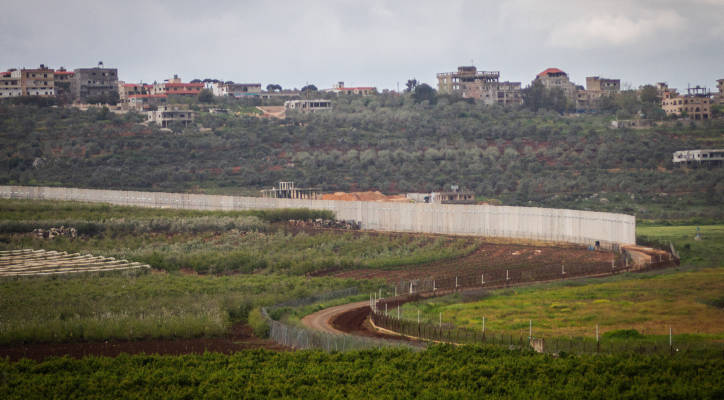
{"x":287,"y":190}
{"x":532,"y":223}
{"x":308,"y":105}
{"x":169,"y":114}
{"x":596,"y":87}
{"x":698,"y":157}
{"x":484,"y":86}
{"x":94,"y":83}
{"x":696,"y":104}
{"x":454,"y":196}
{"x":63,"y":80}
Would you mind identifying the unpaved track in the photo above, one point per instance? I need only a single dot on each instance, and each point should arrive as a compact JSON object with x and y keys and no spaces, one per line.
{"x":322,"y":320}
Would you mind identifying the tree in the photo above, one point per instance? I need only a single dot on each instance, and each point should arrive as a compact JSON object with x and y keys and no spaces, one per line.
{"x":649,"y":94}
{"x":206,"y":96}
{"x":424,"y":92}
{"x":411,"y":85}
{"x":309,"y":88}
{"x":273,"y":87}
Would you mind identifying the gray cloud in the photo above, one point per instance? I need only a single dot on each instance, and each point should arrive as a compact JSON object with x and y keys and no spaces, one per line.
{"x":372,"y":42}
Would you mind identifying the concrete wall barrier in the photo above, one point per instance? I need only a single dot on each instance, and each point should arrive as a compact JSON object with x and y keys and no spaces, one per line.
{"x":533,"y":223}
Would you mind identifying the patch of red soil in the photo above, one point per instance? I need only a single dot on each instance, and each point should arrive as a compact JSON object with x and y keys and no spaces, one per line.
{"x":488,"y":256}
{"x":356,"y":322}
{"x":239,"y":338}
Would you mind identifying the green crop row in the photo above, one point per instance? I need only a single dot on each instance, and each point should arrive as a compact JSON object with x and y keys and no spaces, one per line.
{"x":440,"y":372}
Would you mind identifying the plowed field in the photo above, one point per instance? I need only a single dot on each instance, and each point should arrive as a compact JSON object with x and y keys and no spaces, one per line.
{"x":488,"y":256}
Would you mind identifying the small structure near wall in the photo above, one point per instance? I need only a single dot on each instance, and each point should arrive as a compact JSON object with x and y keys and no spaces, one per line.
{"x":454,"y":196}
{"x":632,"y":123}
{"x":287,"y":190}
{"x":169,"y":114}
{"x":308,"y":105}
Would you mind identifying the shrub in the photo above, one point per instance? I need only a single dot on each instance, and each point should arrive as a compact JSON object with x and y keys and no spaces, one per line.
{"x":258,"y":323}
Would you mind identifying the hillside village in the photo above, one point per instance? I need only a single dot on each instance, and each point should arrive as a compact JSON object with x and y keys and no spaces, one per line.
{"x":551,"y":88}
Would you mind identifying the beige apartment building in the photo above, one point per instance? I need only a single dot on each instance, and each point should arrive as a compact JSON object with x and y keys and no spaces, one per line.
{"x":37,"y":82}
{"x":483,"y":86}
{"x":552,"y":78}
{"x":696,"y":104}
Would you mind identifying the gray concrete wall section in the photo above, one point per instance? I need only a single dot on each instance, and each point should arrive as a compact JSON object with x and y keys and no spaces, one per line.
{"x":572,"y":226}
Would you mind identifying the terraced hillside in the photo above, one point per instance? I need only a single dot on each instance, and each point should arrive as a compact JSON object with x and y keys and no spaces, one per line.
{"x":28,"y":262}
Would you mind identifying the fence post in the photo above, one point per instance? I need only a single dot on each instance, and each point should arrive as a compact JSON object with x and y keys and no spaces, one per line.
{"x":530,"y":330}
{"x":433,"y":286}
{"x":483,"y":328}
{"x":385,"y":309}
{"x":440,"y":320}
{"x":482,"y":279}
{"x":671,"y":342}
{"x":456,"y":283}
{"x":418,"y":316}
{"x":395,"y":290}
{"x":598,"y":343}
{"x":507,"y":275}
{"x":563,"y":269}
{"x":411,"y":287}
{"x":398,"y":310}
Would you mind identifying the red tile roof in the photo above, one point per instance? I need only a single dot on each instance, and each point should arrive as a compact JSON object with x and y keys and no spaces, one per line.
{"x":59,"y":72}
{"x":146,"y":96}
{"x":199,"y":85}
{"x":551,"y":71}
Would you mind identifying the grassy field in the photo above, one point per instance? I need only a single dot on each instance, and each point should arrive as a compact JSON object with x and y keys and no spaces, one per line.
{"x":689,"y":299}
{"x":154,"y":305}
{"x":216,"y":242}
{"x":689,"y":302}
{"x":708,"y":252}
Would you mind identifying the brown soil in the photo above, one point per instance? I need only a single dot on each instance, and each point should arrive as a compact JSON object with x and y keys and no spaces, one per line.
{"x":356,"y":322}
{"x":364,"y":196}
{"x":488,"y":256}
{"x":239,"y":338}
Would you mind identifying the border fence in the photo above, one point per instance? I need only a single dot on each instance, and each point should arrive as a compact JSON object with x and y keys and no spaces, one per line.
{"x":498,"y":278}
{"x":444,"y":332}
{"x":589,"y":228}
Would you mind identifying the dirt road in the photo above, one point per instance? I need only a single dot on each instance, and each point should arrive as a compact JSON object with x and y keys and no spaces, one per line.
{"x":322,"y":320}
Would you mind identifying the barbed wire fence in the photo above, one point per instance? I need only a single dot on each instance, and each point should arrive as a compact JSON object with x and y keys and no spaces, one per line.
{"x":445,"y":332}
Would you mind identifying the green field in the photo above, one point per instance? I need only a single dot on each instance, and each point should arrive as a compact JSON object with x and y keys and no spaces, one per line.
{"x":707,"y":252}
{"x":689,"y":299}
{"x":154,"y":305}
{"x":216,"y":242}
{"x":442,"y":372}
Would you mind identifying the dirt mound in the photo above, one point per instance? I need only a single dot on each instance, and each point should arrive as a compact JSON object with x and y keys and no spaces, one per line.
{"x":363,"y":196}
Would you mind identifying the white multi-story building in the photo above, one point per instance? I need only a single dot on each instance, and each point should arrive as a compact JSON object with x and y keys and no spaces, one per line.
{"x":10,"y":84}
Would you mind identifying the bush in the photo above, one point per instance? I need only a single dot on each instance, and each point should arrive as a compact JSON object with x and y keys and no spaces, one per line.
{"x":258,"y":323}
{"x":624,"y":334}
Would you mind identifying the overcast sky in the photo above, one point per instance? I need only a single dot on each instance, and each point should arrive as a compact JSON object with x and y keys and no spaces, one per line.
{"x":370,"y":42}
